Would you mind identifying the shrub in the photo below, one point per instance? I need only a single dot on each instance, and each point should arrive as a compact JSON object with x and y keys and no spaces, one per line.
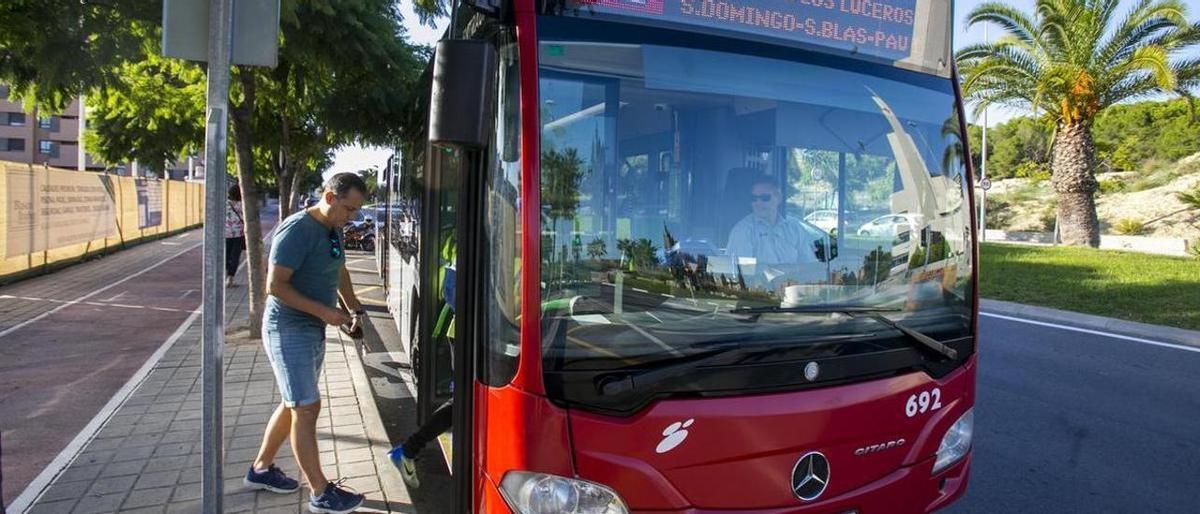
{"x":1038,"y":171}
{"x":1129,"y":226}
{"x":1049,"y":217}
{"x":1157,"y":175}
{"x":1111,"y":186}
{"x":999,"y":213}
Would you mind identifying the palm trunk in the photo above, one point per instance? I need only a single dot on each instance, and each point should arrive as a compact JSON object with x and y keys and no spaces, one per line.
{"x":1072,"y":164}
{"x":244,"y":149}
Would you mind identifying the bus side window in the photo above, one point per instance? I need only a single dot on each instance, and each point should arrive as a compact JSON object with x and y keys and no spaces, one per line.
{"x":503,"y":222}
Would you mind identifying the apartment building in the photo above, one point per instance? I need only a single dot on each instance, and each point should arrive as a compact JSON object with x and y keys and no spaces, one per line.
{"x":41,"y":138}
{"x":55,"y":139}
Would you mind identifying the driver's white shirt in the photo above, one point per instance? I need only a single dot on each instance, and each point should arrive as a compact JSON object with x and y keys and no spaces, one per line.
{"x":784,"y":242}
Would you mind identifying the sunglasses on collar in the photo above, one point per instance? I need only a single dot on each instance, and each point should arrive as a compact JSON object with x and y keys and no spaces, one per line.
{"x":335,"y":245}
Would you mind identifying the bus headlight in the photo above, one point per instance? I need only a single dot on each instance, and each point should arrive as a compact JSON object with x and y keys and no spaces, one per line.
{"x":539,"y":493}
{"x":957,"y":441}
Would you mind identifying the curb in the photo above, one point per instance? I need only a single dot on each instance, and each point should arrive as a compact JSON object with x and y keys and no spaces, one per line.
{"x":1159,"y":333}
{"x":390,"y":481}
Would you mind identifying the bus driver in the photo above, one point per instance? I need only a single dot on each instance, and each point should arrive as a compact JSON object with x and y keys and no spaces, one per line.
{"x":767,"y":236}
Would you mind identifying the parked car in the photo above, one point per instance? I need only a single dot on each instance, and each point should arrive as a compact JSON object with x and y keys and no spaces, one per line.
{"x":825,"y":219}
{"x":891,"y":225}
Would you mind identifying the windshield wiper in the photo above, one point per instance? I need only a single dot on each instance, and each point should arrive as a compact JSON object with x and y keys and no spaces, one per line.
{"x":813,"y":309}
{"x":854,"y":311}
{"x":929,"y":342}
{"x":620,"y":384}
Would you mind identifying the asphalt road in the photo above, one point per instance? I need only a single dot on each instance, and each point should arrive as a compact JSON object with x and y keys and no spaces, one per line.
{"x":1072,"y":422}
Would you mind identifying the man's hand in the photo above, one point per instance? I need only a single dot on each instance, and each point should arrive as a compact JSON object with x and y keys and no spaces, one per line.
{"x":334,"y":316}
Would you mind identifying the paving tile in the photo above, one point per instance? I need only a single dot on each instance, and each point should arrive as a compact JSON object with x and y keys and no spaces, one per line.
{"x":145,"y":510}
{"x":239,"y":502}
{"x":78,"y":473}
{"x":357,"y":469}
{"x":147,"y":497}
{"x":112,"y":485}
{"x":166,"y":464}
{"x":184,"y":507}
{"x":57,"y":507}
{"x":92,"y":504}
{"x":186,"y":492}
{"x":139,"y":453}
{"x":173,"y":449}
{"x":156,"y":479}
{"x":117,"y":469}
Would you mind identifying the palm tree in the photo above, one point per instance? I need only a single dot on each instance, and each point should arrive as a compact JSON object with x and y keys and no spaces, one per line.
{"x":1069,"y":60}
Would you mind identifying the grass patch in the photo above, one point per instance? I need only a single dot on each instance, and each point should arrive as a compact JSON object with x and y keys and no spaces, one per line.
{"x":1133,"y":286}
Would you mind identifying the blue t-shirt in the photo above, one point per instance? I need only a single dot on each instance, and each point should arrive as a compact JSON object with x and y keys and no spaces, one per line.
{"x":305,"y":245}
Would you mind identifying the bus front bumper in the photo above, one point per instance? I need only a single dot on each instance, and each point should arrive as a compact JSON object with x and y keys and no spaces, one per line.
{"x":910,"y":490}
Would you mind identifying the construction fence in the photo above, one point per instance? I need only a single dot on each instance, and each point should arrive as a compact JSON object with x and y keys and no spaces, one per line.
{"x":56,"y":217}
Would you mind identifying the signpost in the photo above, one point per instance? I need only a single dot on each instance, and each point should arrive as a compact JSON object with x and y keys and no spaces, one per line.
{"x":219,"y":40}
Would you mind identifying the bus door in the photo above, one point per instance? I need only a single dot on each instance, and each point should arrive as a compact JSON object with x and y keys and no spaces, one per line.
{"x":432,"y":355}
{"x":470,"y":271}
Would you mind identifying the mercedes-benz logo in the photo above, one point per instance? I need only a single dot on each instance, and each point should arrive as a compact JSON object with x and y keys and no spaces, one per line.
{"x":811,"y":371}
{"x":810,"y":476}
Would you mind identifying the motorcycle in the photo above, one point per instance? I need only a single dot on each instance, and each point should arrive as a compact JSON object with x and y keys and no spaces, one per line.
{"x":360,"y":235}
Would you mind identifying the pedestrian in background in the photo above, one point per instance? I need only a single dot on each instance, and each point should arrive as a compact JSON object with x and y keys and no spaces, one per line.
{"x":235,"y":234}
{"x":307,"y":275}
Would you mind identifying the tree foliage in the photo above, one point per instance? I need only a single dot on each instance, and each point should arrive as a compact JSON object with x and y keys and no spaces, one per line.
{"x":1127,"y":136}
{"x":1067,"y":62}
{"x":51,"y":51}
{"x":152,"y":112}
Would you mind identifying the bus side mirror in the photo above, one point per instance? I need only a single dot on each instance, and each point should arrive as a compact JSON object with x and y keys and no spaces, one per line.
{"x":460,"y":103}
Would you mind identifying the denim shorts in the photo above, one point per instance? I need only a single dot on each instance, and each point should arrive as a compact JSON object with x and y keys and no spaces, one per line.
{"x":296,"y":355}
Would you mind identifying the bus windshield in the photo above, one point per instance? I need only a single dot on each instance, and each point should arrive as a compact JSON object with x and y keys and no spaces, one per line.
{"x":696,"y":198}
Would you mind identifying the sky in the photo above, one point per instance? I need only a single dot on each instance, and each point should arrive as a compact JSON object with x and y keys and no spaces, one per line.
{"x":354,"y":158}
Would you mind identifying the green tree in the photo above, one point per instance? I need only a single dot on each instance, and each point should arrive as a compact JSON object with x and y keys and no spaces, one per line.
{"x":1068,"y":62}
{"x":52,"y":51}
{"x":562,"y":172}
{"x":152,"y":113}
{"x":345,"y":75}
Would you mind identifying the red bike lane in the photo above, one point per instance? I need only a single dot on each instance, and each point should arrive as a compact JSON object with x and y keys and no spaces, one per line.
{"x":59,"y":371}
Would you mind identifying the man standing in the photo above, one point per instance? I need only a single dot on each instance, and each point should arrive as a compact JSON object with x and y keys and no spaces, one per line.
{"x":307,"y":274}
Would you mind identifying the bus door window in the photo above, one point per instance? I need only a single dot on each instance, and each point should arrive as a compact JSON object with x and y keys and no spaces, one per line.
{"x":502,"y":229}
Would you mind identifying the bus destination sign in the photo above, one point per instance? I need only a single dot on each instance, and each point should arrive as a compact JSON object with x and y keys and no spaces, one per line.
{"x":877,"y":28}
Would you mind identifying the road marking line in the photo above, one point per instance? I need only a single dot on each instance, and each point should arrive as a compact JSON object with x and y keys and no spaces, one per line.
{"x":64,"y":459}
{"x":365,"y":289}
{"x":113,"y":298}
{"x":360,"y":270}
{"x":94,"y":304}
{"x":1151,"y":342}
{"x":21,"y":325}
{"x":170,"y":243}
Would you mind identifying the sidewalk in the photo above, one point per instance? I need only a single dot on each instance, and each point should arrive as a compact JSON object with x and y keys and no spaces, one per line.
{"x":147,"y":456}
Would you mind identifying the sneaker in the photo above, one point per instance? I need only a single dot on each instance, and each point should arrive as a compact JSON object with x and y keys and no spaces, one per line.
{"x":270,"y":480}
{"x":335,"y":500}
{"x":407,"y":466}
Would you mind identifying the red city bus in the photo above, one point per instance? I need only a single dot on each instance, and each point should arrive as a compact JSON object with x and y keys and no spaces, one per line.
{"x":691,"y":256}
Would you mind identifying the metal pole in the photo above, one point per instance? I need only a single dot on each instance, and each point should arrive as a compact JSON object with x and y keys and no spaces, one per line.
{"x":983,"y":166}
{"x":220,"y":28}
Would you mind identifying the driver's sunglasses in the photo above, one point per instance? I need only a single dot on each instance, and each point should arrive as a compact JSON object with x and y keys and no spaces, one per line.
{"x":763,"y":198}
{"x":335,"y":246}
